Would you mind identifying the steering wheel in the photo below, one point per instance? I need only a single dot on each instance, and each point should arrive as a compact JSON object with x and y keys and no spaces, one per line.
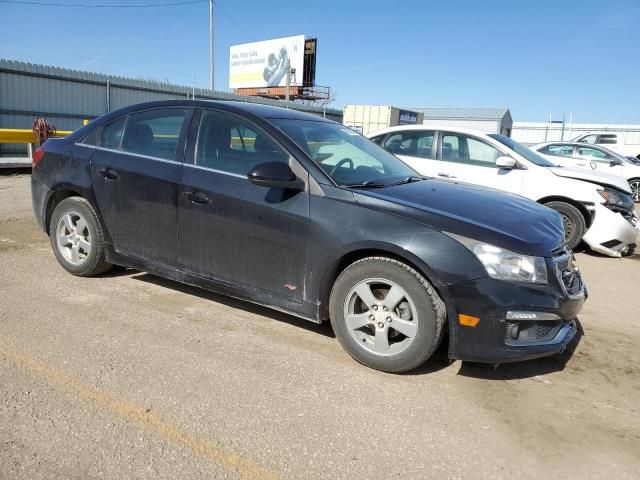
{"x":340,"y":163}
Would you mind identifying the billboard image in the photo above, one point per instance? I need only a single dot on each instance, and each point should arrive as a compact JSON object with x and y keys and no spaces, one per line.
{"x":264,"y":64}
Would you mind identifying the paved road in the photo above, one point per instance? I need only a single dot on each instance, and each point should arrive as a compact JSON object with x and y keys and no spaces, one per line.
{"x":132,"y":376}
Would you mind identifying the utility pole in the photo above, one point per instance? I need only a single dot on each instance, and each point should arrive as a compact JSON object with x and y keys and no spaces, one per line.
{"x":288,"y":81}
{"x":211,"y":45}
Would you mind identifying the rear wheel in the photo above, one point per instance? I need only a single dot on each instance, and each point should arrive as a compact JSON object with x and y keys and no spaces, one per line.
{"x":386,"y":315}
{"x":574,"y":223}
{"x":634,"y":184}
{"x":76,"y":238}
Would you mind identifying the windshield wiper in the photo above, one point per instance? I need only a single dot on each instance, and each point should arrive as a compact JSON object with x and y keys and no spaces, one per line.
{"x":379,"y":184}
{"x":405,"y":180}
{"x":367,"y":184}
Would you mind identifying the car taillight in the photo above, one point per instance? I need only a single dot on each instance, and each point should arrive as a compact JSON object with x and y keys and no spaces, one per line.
{"x":38,"y":155}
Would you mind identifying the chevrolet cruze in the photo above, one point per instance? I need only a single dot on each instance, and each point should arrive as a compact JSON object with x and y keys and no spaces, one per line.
{"x":301,"y":214}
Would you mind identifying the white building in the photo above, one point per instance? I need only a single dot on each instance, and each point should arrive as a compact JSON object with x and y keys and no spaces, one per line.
{"x":538,"y":132}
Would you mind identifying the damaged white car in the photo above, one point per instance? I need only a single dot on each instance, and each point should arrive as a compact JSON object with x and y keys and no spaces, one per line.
{"x":595,"y":207}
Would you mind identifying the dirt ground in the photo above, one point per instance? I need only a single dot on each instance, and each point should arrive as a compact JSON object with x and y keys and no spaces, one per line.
{"x":132,"y":376}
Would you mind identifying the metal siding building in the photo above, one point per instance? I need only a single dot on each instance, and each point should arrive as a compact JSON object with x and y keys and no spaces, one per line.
{"x":488,"y":120}
{"x":66,"y":97}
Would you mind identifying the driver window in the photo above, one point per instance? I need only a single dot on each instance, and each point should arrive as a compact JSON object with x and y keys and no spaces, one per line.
{"x":460,"y":148}
{"x":594,"y":154}
{"x":229,"y":144}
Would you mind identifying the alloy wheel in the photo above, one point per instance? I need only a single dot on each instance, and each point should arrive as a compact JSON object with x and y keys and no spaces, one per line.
{"x":73,"y":238}
{"x":380,"y":316}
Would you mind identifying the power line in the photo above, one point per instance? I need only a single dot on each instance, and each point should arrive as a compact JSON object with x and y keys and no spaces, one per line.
{"x":87,"y":5}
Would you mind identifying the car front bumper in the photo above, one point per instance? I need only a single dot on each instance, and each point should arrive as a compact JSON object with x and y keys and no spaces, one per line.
{"x":611,"y":233}
{"x":516,"y":321}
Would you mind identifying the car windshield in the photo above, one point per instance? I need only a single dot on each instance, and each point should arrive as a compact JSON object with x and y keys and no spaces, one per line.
{"x":346,"y":156}
{"x":523,"y":151}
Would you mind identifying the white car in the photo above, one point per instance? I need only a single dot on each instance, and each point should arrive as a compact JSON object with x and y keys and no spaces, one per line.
{"x":595,"y":207}
{"x":612,"y":140}
{"x":594,"y":157}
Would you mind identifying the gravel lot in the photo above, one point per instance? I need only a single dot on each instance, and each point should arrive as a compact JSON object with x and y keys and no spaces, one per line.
{"x":132,"y":376}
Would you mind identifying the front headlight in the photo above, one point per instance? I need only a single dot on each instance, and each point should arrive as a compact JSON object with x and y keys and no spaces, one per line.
{"x":615,"y":199}
{"x":505,"y":265}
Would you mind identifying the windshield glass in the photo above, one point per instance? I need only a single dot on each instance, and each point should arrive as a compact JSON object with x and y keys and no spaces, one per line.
{"x":523,"y":151}
{"x":346,"y":156}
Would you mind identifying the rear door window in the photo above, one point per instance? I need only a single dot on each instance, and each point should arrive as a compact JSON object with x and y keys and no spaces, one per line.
{"x":558,"y":150}
{"x":414,"y":143}
{"x":154,"y":133}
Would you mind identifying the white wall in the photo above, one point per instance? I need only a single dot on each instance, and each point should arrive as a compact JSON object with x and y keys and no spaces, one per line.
{"x":537,"y":132}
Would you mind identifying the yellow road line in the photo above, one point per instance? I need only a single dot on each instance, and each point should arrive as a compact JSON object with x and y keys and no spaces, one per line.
{"x":225,"y":458}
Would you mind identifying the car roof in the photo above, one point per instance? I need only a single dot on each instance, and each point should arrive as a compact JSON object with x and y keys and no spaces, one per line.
{"x":447,"y":128}
{"x":571,"y":143}
{"x":260,"y":110}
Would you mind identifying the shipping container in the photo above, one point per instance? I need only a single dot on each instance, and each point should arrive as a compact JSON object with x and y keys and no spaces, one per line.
{"x":371,"y":118}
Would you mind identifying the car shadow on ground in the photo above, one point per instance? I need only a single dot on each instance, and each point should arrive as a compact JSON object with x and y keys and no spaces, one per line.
{"x":323,"y":329}
{"x":526,"y":369}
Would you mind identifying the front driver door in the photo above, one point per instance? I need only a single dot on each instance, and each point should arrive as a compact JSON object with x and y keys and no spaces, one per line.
{"x":231,"y":230}
{"x":136,"y":172}
{"x":470,"y":159}
{"x":596,"y":159}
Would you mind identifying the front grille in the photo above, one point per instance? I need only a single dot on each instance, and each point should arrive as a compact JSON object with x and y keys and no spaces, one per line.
{"x":611,"y":243}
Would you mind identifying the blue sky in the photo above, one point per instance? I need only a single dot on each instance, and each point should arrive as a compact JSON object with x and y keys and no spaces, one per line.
{"x":537,"y":57}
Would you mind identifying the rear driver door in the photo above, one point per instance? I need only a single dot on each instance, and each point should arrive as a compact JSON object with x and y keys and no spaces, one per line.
{"x":136,"y":172}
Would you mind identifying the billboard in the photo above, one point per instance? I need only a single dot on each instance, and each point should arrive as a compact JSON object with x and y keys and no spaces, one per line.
{"x":264,"y":64}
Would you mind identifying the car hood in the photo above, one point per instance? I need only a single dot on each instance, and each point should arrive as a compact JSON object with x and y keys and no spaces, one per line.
{"x":498,"y":218}
{"x":592,"y":176}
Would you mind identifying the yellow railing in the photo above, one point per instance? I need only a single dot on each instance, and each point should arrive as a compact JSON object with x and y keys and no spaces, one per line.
{"x":23,"y":135}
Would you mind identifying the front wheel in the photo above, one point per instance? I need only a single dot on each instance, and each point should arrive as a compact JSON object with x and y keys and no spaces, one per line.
{"x":386,"y":315}
{"x":634,"y":185}
{"x":574,"y":223}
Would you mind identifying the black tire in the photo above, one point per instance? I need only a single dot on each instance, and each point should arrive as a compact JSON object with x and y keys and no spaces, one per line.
{"x":430,"y":308}
{"x":94,"y":263}
{"x":574,"y":223}
{"x":634,"y":185}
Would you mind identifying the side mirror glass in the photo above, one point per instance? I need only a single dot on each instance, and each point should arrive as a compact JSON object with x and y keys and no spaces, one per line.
{"x":275,"y":175}
{"x":505,"y":162}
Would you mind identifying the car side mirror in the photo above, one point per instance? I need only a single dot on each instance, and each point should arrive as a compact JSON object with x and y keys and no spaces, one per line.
{"x":275,"y":175}
{"x":505,"y":162}
{"x":615,"y":161}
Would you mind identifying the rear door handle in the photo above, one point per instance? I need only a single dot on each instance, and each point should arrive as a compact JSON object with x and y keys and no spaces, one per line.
{"x":446,"y":175}
{"x":108,"y":173}
{"x":197,"y":197}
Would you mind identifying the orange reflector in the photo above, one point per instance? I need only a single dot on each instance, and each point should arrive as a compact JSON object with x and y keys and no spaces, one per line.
{"x":468,"y":320}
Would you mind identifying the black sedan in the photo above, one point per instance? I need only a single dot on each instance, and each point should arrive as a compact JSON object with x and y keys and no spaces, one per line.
{"x":299,"y":213}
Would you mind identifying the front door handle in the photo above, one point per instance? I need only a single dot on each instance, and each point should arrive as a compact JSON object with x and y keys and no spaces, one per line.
{"x":108,"y":173}
{"x":197,"y":197}
{"x":446,"y":175}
